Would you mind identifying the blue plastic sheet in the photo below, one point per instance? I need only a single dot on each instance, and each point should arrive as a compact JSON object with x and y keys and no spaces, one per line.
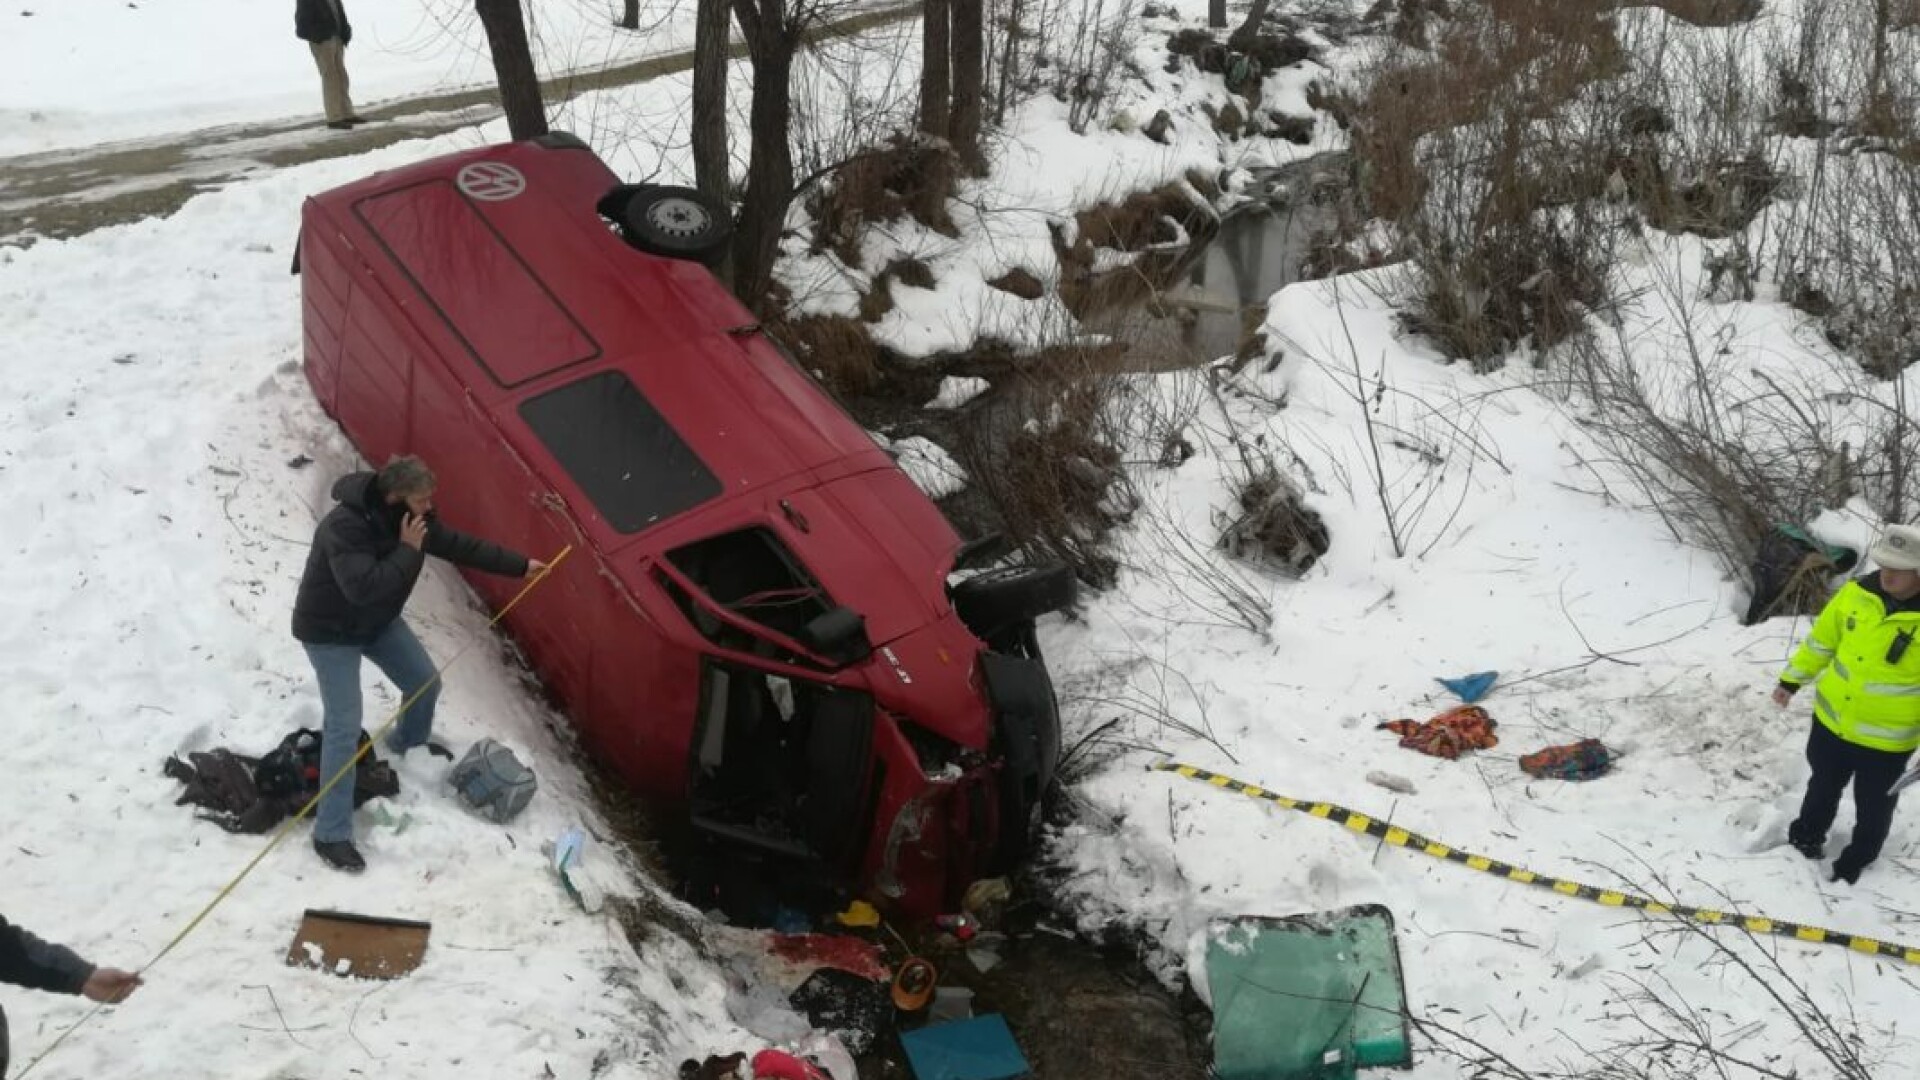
{"x":978,"y":1049}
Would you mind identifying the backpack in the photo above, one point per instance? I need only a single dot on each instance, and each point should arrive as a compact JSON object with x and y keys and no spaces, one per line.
{"x":290,"y":772}
{"x":493,"y":781}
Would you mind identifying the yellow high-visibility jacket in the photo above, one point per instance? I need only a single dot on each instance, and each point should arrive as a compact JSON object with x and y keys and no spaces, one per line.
{"x":1863,"y":653}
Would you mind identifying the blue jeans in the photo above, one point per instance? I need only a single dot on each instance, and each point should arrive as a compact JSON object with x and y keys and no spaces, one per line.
{"x":398,"y":654}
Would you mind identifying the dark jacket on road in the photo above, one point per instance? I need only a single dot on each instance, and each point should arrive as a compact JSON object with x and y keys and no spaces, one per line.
{"x":322,"y":20}
{"x":27,"y":961}
{"x":359,"y":574}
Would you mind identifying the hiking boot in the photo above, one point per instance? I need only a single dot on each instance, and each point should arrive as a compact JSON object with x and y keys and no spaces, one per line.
{"x":340,"y":854}
{"x":1848,"y":874}
{"x":1811,"y":850}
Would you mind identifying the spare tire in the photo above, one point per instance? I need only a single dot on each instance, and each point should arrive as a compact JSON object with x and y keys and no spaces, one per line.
{"x":996,"y":600}
{"x":674,"y":222}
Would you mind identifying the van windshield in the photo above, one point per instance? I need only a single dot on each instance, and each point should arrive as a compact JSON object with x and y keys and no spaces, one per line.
{"x":633,"y":467}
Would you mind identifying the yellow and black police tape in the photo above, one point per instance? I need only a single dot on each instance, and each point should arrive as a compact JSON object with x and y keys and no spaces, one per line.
{"x":1399,"y":837}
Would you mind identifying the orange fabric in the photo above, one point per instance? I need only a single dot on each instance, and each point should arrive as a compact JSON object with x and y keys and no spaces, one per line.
{"x":1448,"y":735}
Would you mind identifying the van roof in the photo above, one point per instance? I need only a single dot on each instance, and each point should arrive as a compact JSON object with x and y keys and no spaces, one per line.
{"x":534,"y":292}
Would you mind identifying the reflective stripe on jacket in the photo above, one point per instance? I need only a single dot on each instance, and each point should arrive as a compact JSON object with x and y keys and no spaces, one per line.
{"x":1864,"y":665}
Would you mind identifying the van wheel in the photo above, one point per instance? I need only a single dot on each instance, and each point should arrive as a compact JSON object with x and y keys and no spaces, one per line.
{"x":991,"y":602}
{"x":676,"y":222}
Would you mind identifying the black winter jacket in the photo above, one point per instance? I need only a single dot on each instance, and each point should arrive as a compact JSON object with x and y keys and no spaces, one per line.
{"x":313,"y":20}
{"x":359,"y":574}
{"x":27,"y":961}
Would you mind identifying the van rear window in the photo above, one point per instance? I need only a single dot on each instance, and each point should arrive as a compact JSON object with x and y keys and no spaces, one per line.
{"x":487,"y":296}
{"x":614,"y":444}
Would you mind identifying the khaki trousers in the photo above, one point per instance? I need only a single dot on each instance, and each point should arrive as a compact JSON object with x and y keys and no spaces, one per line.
{"x":331,"y":58}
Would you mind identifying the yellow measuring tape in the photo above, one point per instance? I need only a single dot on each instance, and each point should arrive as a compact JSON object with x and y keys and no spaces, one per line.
{"x":1399,"y":837}
{"x":281,"y":834}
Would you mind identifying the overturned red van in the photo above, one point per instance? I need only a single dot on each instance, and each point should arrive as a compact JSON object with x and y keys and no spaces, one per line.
{"x":756,"y":628}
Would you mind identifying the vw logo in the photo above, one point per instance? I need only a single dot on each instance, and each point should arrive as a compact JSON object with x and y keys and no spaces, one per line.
{"x":491,"y":181}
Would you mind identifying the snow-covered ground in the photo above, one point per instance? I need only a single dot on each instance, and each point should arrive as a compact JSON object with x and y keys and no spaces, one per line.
{"x":79,"y":72}
{"x":155,"y":529}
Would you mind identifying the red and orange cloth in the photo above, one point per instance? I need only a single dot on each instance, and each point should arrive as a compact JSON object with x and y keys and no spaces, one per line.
{"x":1448,"y":735}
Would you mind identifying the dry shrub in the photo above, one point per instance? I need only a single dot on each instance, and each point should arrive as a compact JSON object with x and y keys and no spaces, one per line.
{"x":1515,"y":60}
{"x":1042,"y":454}
{"x":1148,"y":225}
{"x":835,"y":348}
{"x":906,"y":177}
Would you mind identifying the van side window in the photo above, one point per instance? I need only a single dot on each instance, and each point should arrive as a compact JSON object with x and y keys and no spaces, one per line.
{"x":631,"y":464}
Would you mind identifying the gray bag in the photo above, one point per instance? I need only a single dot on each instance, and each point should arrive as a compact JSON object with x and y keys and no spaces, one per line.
{"x":493,"y":781}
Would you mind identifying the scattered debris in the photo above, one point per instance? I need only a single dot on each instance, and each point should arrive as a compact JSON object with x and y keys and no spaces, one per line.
{"x":364,"y":946}
{"x":1470,"y":688}
{"x":1583,"y":760}
{"x":852,"y":1007}
{"x":1391,"y":782}
{"x":913,"y":984}
{"x":1448,"y":735}
{"x":843,"y":953}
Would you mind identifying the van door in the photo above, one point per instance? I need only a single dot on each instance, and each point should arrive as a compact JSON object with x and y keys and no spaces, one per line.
{"x":782,"y":763}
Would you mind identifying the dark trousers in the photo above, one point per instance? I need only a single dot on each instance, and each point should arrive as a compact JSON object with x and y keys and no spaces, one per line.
{"x":1836,"y":761}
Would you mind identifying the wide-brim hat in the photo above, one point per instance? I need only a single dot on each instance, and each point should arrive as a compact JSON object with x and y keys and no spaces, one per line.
{"x":1898,"y":548}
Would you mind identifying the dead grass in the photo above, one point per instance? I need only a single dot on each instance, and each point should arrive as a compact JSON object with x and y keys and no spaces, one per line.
{"x":904,"y":178}
{"x":837,"y":349}
{"x":1149,"y":225}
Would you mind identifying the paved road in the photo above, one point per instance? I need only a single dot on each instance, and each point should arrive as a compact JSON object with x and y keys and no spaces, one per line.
{"x":65,"y":193}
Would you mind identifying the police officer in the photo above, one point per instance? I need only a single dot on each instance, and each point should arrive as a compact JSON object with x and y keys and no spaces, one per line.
{"x":1866,"y":702}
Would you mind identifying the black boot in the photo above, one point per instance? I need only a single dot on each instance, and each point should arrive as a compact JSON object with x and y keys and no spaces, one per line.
{"x":1813,"y":851}
{"x":1847,"y":873}
{"x":341,"y":855}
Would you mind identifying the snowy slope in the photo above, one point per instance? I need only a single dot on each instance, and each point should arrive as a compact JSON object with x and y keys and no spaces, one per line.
{"x":153,"y":536}
{"x":1520,"y":563}
{"x":77,"y":72}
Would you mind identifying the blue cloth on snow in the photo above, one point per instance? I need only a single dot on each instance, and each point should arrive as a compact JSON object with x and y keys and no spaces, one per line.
{"x":1470,"y":688}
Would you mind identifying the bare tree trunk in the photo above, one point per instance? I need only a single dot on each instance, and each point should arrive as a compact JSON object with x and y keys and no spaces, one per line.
{"x":1009,"y":60}
{"x":936,"y":80}
{"x":756,"y":243}
{"x":1242,"y":39}
{"x":631,"y":19}
{"x":513,"y":67}
{"x":710,"y":161}
{"x":1217,"y":14}
{"x":969,"y":74}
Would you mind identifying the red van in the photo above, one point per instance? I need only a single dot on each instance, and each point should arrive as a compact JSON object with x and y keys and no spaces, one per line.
{"x":756,"y":628}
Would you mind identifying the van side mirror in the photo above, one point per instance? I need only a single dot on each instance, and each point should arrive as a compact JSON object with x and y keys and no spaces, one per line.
{"x":839,"y":635}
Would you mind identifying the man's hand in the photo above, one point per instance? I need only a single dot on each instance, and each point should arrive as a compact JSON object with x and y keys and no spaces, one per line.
{"x":413,"y":531}
{"x":1782,"y":695}
{"x":535,"y":568}
{"x":110,"y":985}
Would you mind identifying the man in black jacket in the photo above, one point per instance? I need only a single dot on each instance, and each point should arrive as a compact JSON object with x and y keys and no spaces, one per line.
{"x":323,"y":25}
{"x":27,"y":961}
{"x":367,"y":553}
